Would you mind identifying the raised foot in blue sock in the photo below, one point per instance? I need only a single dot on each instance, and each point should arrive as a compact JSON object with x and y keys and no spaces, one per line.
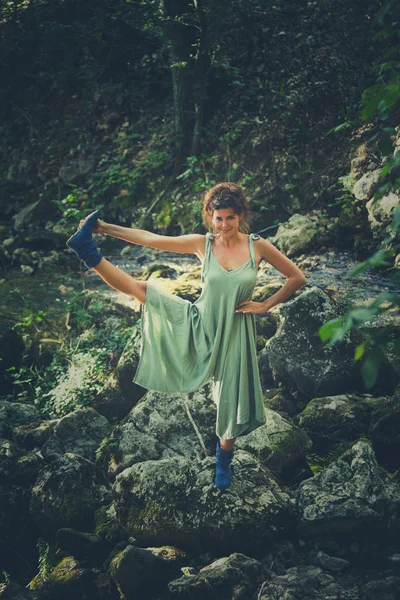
{"x":83,"y":244}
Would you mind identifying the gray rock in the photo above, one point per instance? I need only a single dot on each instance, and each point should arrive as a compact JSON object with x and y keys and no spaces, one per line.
{"x":265,"y":371}
{"x":235,"y":576}
{"x":68,"y":579}
{"x":332,"y":564}
{"x":27,"y":270}
{"x":303,"y":582}
{"x":175,"y":501}
{"x":159,"y":426}
{"x":71,"y":172}
{"x":9,"y":454}
{"x":34,"y":435}
{"x":297,"y":234}
{"x":67,"y":492}
{"x":14,"y":591}
{"x":139,"y":572}
{"x":80,"y":432}
{"x":341,"y":418}
{"x":277,"y":444}
{"x":387,"y":588}
{"x":365,"y":187}
{"x":18,"y":413}
{"x":26,"y":215}
{"x":350,"y":494}
{"x":82,"y":545}
{"x":298,"y":357}
{"x":380,"y":212}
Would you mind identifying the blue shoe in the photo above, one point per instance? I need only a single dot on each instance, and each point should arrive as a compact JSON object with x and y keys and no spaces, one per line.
{"x":83,"y":244}
{"x":224,"y":470}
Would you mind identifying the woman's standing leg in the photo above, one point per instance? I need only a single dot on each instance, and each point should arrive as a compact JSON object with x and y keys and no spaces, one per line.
{"x":224,"y":456}
{"x":227,"y":444}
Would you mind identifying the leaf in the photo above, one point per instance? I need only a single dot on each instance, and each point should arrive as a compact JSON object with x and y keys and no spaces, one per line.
{"x":359,"y":352}
{"x":385,"y":145}
{"x":338,"y":128}
{"x":332,"y":330}
{"x":362,"y":314}
{"x":370,"y":370}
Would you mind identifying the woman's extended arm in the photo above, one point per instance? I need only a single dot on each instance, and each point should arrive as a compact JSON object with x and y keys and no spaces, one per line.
{"x":185,"y":244}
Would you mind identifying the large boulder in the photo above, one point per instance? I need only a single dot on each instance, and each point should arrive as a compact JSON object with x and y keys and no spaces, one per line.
{"x":18,"y":413}
{"x":161,"y":426}
{"x":351,"y":494}
{"x":342,"y":418}
{"x":142,"y":572}
{"x":297,"y":582}
{"x":278,"y":444}
{"x":299,"y":358}
{"x":297,"y":234}
{"x":35,"y":434}
{"x":67,"y":579}
{"x":67,"y":492}
{"x":380,"y":212}
{"x":82,"y":545}
{"x":81,"y":432}
{"x":236,"y":576}
{"x":366,"y":186}
{"x":17,"y":466}
{"x":175,"y":501}
{"x":14,"y":591}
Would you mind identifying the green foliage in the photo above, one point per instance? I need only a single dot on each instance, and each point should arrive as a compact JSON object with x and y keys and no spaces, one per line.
{"x":71,"y":210}
{"x":7,"y":577}
{"x":318,"y":463}
{"x":347,"y":202}
{"x":44,"y":559}
{"x":378,"y":100}
{"x":80,"y":365}
{"x":201,"y":171}
{"x":376,"y":341}
{"x":29,"y":321}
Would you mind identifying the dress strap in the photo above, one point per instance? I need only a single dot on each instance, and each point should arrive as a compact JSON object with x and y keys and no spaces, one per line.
{"x":207,"y":255}
{"x":253,"y":236}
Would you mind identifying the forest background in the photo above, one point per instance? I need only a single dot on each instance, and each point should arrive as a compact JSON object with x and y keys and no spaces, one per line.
{"x":139,"y":107}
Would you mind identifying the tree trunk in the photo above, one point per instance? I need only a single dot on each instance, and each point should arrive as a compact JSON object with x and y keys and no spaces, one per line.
{"x":185,"y":29}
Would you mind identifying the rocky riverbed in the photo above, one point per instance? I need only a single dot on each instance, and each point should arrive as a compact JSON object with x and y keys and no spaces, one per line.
{"x":107,"y":490}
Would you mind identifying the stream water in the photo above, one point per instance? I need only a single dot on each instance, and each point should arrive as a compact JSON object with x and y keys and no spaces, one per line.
{"x":50,"y":287}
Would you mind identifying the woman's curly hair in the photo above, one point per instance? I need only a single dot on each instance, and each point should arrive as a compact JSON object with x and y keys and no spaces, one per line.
{"x":226,"y":195}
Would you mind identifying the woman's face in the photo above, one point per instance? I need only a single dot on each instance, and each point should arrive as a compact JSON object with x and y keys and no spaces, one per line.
{"x":225,"y":221}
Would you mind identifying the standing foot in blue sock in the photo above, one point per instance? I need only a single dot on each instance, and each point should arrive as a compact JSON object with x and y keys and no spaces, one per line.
{"x":83,"y":244}
{"x":224,"y":470}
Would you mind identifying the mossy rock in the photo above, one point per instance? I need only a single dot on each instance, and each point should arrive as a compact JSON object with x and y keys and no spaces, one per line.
{"x":67,"y":579}
{"x":157,"y":270}
{"x":107,"y":526}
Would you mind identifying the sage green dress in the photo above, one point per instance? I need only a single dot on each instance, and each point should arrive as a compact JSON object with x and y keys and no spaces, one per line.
{"x":186,"y":345}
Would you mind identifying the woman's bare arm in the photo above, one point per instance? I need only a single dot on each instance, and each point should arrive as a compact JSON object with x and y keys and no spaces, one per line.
{"x":286,"y":267}
{"x":283,"y":264}
{"x":185,"y":244}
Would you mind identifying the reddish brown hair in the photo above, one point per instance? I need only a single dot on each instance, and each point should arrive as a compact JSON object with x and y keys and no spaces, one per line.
{"x":226,"y":195}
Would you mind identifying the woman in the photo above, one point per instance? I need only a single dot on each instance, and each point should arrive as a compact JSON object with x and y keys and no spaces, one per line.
{"x":184,"y":344}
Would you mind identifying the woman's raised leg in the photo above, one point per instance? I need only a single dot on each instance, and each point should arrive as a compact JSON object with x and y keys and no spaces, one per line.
{"x":121,"y":281}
